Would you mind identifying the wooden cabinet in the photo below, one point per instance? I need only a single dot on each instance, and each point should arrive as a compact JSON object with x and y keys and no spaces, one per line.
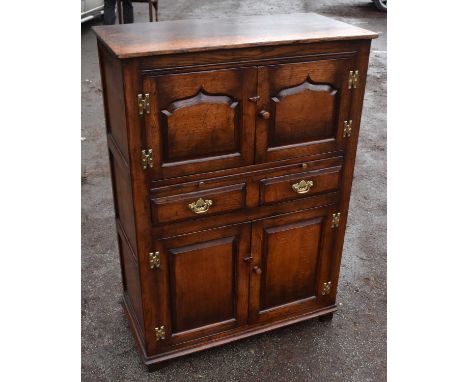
{"x":232,"y":146}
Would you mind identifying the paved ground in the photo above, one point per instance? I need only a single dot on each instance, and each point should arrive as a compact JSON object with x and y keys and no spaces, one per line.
{"x":350,"y":348}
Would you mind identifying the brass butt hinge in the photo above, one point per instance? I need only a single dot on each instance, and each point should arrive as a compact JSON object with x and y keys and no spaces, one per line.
{"x":147,"y":158}
{"x":335,"y":220}
{"x":160,"y":333}
{"x":353,"y":79}
{"x":154,"y":260}
{"x":143,"y":103}
{"x":347,"y":128}
{"x":326,"y":288}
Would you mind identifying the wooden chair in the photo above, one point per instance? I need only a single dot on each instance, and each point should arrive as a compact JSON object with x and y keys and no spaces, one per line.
{"x":152,"y":5}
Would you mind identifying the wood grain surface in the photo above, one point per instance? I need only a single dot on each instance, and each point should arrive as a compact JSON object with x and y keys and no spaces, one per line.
{"x":181,"y":36}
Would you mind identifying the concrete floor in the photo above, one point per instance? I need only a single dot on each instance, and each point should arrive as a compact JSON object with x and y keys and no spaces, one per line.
{"x":350,"y":348}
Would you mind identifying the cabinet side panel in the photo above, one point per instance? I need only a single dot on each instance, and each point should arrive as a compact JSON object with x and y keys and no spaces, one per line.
{"x":113,"y":94}
{"x":130,"y":280}
{"x":119,"y":127}
{"x":361,"y":64}
{"x":123,"y":199}
{"x":139,"y":189}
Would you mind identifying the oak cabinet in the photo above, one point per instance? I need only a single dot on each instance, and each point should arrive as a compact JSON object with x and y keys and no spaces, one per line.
{"x":232,"y":146}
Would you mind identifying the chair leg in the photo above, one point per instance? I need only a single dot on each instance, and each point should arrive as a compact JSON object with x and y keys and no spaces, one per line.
{"x":150,"y":11}
{"x":153,"y":4}
{"x":119,"y":11}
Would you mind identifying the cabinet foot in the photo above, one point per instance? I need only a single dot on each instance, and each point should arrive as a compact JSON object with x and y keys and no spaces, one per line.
{"x":326,"y":317}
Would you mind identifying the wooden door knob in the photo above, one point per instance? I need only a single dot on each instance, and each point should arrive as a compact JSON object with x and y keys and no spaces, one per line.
{"x":257,"y":270}
{"x":265,"y":114}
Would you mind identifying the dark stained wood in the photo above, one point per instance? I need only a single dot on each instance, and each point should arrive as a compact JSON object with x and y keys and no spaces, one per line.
{"x":326,"y":317}
{"x":149,"y":39}
{"x":262,"y":55}
{"x":207,"y":281}
{"x":201,"y":121}
{"x":130,"y":277}
{"x":175,"y":207}
{"x":200,"y":126}
{"x":112,"y":83}
{"x":140,"y":192}
{"x":280,"y":188}
{"x":124,"y":212}
{"x":308,"y":103}
{"x":240,"y":111}
{"x":292,"y":252}
{"x":253,"y":173}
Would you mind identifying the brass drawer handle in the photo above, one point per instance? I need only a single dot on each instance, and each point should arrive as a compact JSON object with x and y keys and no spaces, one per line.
{"x":200,"y":206}
{"x":303,"y":186}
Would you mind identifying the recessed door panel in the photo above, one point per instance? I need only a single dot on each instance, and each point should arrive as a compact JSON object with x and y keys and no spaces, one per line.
{"x":200,"y":121}
{"x":201,"y":126}
{"x":203,"y":282}
{"x":195,"y":270}
{"x":292,"y":258}
{"x":306,"y":104}
{"x":303,"y":113}
{"x":290,"y":261}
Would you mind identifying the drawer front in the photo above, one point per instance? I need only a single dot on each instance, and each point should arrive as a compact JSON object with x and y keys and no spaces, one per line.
{"x":288,"y":187}
{"x":234,"y":198}
{"x":191,"y":205}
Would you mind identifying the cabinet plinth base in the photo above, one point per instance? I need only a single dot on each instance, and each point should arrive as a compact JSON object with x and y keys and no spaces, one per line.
{"x":157,"y":361}
{"x":326,"y":317}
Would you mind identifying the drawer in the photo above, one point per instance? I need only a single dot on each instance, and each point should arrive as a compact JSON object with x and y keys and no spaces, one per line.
{"x":278,"y":188}
{"x":189,"y":205}
{"x":241,"y":197}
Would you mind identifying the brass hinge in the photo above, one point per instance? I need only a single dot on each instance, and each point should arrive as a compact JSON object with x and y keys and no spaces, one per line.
{"x":147,"y":158}
{"x":347,"y":128}
{"x":335,"y":220}
{"x":143,"y":103}
{"x":353,"y":79}
{"x":160,"y":333}
{"x":154,"y":260}
{"x":326,"y":288}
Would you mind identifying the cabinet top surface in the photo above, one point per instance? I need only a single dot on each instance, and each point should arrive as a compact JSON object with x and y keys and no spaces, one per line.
{"x":182,"y":36}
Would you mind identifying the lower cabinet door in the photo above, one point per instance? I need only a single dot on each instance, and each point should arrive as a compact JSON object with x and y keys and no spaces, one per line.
{"x":291,"y":266}
{"x":204,"y":282}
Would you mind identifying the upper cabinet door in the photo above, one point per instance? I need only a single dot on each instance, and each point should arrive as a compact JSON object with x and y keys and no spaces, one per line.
{"x":302,"y":108}
{"x":200,"y":121}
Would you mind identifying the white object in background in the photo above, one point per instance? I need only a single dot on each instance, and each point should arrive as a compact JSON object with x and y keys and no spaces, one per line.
{"x":91,"y":8}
